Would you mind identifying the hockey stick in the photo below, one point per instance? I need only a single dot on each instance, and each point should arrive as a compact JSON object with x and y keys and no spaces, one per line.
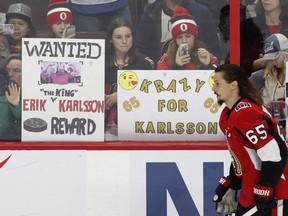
{"x":251,"y":211}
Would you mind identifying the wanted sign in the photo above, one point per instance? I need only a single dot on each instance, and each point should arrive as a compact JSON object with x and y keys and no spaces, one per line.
{"x":62,"y":90}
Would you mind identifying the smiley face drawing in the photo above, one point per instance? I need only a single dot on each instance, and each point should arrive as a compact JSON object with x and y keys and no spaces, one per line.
{"x":128,"y":80}
{"x":211,"y":79}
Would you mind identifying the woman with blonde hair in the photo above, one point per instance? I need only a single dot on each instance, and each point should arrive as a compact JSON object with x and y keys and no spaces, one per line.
{"x":274,"y":74}
{"x":271,"y":79}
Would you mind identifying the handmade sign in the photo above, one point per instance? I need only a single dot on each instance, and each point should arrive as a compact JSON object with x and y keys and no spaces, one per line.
{"x":167,"y":106}
{"x":62,"y":90}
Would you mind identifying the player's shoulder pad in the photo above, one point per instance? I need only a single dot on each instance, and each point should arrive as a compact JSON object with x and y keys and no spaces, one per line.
{"x":242,"y":105}
{"x":244,"y":110}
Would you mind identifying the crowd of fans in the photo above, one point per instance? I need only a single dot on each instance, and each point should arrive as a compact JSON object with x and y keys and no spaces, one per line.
{"x":169,"y":35}
{"x":179,"y":35}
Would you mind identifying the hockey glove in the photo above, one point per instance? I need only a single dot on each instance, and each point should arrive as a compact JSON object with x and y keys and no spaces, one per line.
{"x":264,"y":199}
{"x":228,"y":204}
{"x":224,"y":197}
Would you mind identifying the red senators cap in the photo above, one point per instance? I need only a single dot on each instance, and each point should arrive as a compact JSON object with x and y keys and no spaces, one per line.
{"x":182,"y":22}
{"x":58,"y":11}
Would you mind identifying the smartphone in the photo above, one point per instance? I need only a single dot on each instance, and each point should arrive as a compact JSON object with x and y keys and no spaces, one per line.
{"x":71,"y":29}
{"x":7,"y":28}
{"x":184,"y":49}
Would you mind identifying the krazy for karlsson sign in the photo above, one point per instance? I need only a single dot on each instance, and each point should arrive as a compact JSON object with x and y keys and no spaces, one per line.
{"x":62,"y":90}
{"x":167,"y":106}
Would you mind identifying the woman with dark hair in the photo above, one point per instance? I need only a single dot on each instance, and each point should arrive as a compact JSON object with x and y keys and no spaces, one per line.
{"x":121,"y":54}
{"x":185,"y":51}
{"x":19,"y":15}
{"x":259,"y":153}
{"x":271,"y":17}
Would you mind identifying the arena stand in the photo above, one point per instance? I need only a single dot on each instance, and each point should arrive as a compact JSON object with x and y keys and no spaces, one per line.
{"x":97,"y":148}
{"x":39,"y":10}
{"x":39,"y":7}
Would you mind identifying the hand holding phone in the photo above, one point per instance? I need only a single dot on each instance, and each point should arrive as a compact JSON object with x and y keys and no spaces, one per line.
{"x":70,"y":31}
{"x":182,"y":57}
{"x":7,"y":29}
{"x":184,"y":49}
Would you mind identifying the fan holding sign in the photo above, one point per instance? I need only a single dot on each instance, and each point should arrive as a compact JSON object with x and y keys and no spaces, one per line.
{"x":121,"y":54}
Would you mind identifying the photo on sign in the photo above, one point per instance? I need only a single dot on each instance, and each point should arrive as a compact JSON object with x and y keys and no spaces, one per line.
{"x":60,"y":72}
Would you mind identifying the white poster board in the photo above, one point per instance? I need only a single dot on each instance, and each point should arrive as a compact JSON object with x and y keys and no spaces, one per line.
{"x":62,"y":90}
{"x":167,"y":106}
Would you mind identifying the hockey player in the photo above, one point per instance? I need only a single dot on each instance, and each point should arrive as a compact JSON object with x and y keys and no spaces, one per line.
{"x":259,"y":153}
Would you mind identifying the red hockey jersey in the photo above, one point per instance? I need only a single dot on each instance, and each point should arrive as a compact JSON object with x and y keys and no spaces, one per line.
{"x":247,"y":127}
